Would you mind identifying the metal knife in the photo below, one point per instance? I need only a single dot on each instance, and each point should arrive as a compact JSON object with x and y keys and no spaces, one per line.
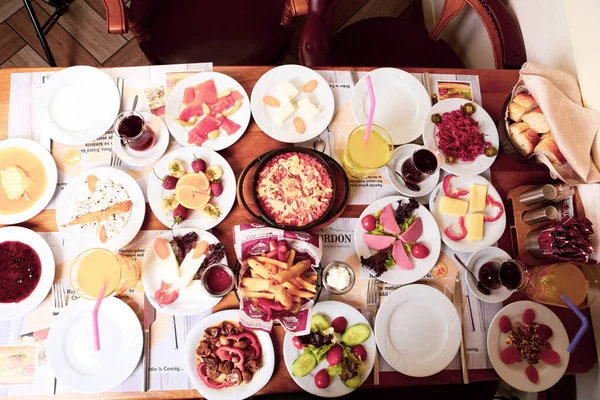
{"x":149,"y":317}
{"x":457,"y":300}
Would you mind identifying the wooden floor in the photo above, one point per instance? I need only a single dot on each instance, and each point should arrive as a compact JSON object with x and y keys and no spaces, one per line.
{"x":80,"y":38}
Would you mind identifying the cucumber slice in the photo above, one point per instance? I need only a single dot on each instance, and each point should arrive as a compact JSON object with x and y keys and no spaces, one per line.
{"x":356,"y":334}
{"x":353,"y":382}
{"x":303,"y":365}
{"x":318,"y":323}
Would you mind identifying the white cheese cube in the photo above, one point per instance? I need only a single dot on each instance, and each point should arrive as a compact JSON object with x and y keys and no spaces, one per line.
{"x":308,"y":108}
{"x":288,"y":90}
{"x":285,"y":110}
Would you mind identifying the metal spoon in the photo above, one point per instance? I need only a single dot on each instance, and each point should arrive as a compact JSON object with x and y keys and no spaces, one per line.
{"x":480,"y":286}
{"x":135,"y":100}
{"x":409,"y":185}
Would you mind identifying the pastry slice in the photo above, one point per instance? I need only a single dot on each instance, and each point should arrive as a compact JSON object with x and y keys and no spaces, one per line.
{"x":97,"y":216}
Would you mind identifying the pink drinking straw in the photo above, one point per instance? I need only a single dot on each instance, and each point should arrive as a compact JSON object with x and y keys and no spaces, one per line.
{"x":95,"y":317}
{"x":371,"y":109}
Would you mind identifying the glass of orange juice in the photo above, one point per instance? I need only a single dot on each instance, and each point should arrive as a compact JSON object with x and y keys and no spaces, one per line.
{"x":361,"y":159}
{"x":92,"y":268}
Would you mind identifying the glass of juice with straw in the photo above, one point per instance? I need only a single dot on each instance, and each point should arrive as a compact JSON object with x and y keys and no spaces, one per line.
{"x":94,"y":267}
{"x":361,"y":157}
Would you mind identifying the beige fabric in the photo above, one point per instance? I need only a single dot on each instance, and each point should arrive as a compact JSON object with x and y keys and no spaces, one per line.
{"x":573,"y":126}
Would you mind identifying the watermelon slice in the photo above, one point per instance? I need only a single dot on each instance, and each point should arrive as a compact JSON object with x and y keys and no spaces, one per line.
{"x":388,"y":220}
{"x":414,"y":232}
{"x":400,"y":256}
{"x":228,"y":125}
{"x":191,"y":112}
{"x":206,"y":92}
{"x":199,"y":134}
{"x":378,"y":242}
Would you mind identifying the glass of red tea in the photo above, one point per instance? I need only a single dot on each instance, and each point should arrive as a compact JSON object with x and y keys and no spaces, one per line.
{"x":424,"y":162}
{"x":131,"y":127}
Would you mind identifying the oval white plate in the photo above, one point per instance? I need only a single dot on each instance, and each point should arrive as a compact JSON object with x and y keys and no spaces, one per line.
{"x":475,"y":262}
{"x":297,"y":75}
{"x":71,"y":345}
{"x":74,"y":191}
{"x":417,"y":330}
{"x":51,"y":179}
{"x":190,"y":301}
{"x":18,"y":234}
{"x":514,"y":374}
{"x":196,"y":218}
{"x":430,"y":237}
{"x":222,"y":82}
{"x":77,"y":105}
{"x":243,"y":391}
{"x":492,"y":231}
{"x":141,"y":158}
{"x":332,"y":310}
{"x":486,"y":126}
{"x":402,"y":103}
{"x":398,"y":157}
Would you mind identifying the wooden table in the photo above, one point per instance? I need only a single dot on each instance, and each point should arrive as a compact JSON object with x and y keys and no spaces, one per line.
{"x":495,"y":86}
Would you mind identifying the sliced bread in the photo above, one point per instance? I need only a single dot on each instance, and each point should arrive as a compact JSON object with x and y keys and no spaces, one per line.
{"x":516,"y":111}
{"x":524,"y":140}
{"x":547,"y":146}
{"x":537,"y":121}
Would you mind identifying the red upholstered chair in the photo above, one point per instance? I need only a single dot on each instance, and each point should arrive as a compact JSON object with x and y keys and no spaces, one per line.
{"x":222,"y":31}
{"x":402,"y":41}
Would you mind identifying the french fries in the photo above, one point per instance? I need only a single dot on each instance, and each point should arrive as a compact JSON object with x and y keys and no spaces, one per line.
{"x":282,"y":296}
{"x":279,"y":264}
{"x":293,"y":272}
{"x":302,"y":284}
{"x":296,"y":292}
{"x":256,"y":284}
{"x":247,"y":293}
{"x":259,"y":268}
{"x":290,"y":259}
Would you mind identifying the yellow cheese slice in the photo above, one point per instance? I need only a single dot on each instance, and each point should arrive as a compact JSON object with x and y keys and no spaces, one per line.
{"x":454,"y":207}
{"x":474,"y":226}
{"x":478,"y":193}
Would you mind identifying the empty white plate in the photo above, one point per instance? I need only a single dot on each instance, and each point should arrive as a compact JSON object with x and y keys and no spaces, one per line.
{"x":71,"y":345}
{"x":141,"y":158}
{"x":417,"y":330}
{"x":401,"y":103}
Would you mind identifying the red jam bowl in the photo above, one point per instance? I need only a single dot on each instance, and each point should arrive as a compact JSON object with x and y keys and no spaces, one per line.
{"x":217,"y":280}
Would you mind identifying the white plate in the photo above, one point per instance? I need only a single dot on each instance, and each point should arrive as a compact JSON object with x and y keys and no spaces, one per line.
{"x":430,"y":238}
{"x":222,"y":82}
{"x":196,"y":218}
{"x":71,"y":345}
{"x":514,"y":374}
{"x":417,"y":330}
{"x":475,"y":262}
{"x":492,"y":231}
{"x":141,"y":158}
{"x":297,"y":75}
{"x":17,"y":234}
{"x":398,"y":157}
{"x":332,"y":310}
{"x":190,"y":301}
{"x":486,"y":126}
{"x":74,"y":191}
{"x":243,"y":391}
{"x":51,"y":179}
{"x":401,"y":103}
{"x":77,"y":105}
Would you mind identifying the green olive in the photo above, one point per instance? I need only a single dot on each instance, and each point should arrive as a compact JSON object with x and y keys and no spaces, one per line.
{"x":450,"y":160}
{"x":490,"y":151}
{"x":468,"y":109}
{"x":436,"y":118}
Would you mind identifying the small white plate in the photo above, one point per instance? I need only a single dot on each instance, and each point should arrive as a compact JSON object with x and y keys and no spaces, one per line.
{"x":401,"y":154}
{"x":332,"y":310}
{"x":514,"y":374}
{"x":141,"y":158}
{"x":486,"y":126}
{"x":51,"y":179}
{"x":191,"y":301}
{"x":71,"y":345}
{"x":76,"y":189}
{"x":417,"y":330}
{"x":222,"y":82}
{"x":77,"y":105}
{"x":17,"y":234}
{"x":475,"y":262}
{"x":196,"y":218}
{"x":430,"y":238}
{"x":297,"y":75}
{"x":243,"y":391}
{"x":492,"y":231}
{"x":401,"y":103}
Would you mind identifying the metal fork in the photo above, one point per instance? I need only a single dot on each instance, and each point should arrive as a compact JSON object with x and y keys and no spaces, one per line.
{"x":372,"y":307}
{"x":59,"y":298}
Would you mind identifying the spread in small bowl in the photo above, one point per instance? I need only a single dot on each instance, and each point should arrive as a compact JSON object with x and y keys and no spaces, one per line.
{"x":338,"y":277}
{"x":217,"y":280}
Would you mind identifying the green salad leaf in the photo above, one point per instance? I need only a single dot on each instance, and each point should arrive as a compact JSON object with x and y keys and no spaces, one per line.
{"x":406,"y":223}
{"x":318,"y":352}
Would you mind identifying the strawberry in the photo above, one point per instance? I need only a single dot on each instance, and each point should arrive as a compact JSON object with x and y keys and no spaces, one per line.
{"x":505,"y":324}
{"x":180,"y":214}
{"x":169,"y":182}
{"x":198,"y":165}
{"x":216,"y":188}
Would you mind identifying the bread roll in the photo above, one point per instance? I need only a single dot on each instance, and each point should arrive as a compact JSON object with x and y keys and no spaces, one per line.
{"x":525,"y":140}
{"x":537,"y":121}
{"x":525,"y":100}
{"x":548,"y":147}
{"x":516,"y":111}
{"x":517,"y":127}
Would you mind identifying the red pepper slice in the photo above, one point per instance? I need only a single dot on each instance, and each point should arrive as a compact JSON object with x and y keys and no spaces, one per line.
{"x":491,"y":202}
{"x":222,"y":354}
{"x":448,"y":190}
{"x":461,"y":227}
{"x":207,"y":380}
{"x":248,"y":336}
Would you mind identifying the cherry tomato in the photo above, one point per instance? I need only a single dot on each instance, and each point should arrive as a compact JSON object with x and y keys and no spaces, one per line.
{"x":296,"y":342}
{"x":369,"y":222}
